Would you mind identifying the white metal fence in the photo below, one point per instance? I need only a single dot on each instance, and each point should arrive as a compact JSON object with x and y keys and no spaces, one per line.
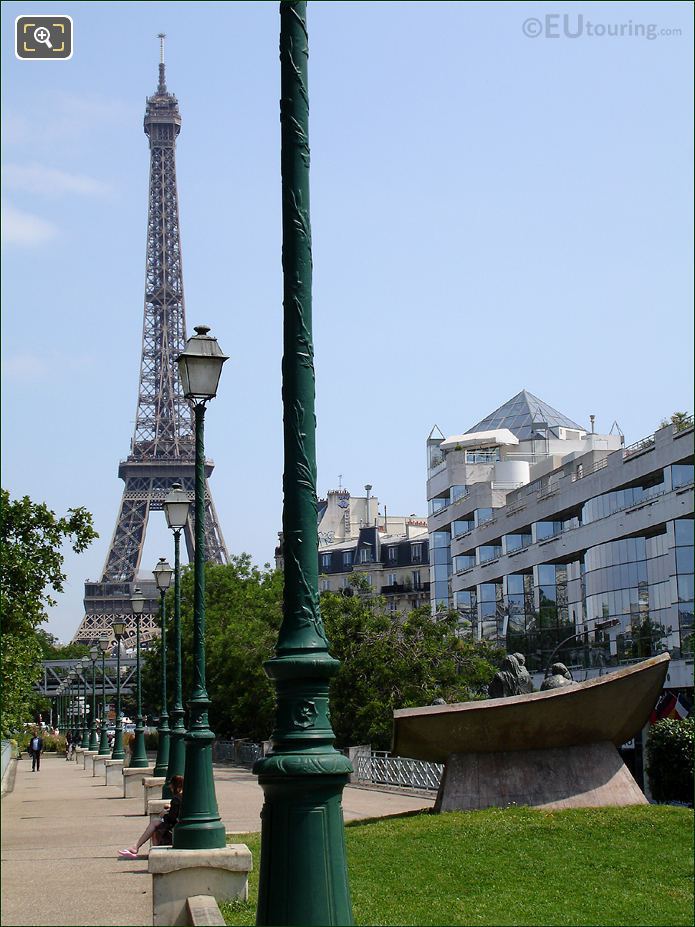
{"x":6,"y":755}
{"x":382,"y":769}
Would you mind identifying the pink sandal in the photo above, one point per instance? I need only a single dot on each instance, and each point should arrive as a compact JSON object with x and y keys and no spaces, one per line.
{"x":127,"y":854}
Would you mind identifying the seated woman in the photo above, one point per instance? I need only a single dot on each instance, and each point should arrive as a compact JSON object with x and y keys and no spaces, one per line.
{"x":160,"y":832}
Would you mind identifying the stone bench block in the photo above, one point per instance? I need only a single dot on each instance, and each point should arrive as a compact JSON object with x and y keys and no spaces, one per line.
{"x":132,"y":781}
{"x":98,"y":764}
{"x":114,"y":774}
{"x":203,"y":911}
{"x":155,"y":808}
{"x":152,"y":788}
{"x":89,"y":760}
{"x":181,"y":874}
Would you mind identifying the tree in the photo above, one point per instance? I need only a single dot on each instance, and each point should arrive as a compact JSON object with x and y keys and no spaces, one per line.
{"x":31,"y":564}
{"x":388,"y":660}
{"x":679,"y":420}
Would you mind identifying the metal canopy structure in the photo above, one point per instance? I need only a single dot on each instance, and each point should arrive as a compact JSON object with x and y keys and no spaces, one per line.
{"x":162,"y":449}
{"x":55,"y":672}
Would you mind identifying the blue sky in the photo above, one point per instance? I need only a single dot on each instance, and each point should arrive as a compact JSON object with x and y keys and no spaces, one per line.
{"x":491,"y":212}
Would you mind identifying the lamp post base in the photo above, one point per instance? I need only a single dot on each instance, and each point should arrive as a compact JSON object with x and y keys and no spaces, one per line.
{"x":139,"y":759}
{"x":303,"y":873}
{"x":199,"y":826}
{"x":177,"y":757}
{"x":163,"y":747}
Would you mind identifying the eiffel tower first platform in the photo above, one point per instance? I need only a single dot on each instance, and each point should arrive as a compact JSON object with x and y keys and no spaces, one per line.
{"x":163,"y":447}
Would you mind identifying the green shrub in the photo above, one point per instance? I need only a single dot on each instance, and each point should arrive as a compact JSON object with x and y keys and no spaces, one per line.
{"x":670,"y":759}
{"x":53,"y":742}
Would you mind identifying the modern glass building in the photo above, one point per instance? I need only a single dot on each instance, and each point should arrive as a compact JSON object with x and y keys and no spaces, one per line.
{"x":563,"y":544}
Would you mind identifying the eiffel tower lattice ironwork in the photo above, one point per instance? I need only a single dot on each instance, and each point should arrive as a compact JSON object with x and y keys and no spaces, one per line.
{"x":163,"y":447}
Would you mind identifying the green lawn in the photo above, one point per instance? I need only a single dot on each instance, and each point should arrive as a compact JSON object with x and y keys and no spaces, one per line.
{"x":593,"y":866}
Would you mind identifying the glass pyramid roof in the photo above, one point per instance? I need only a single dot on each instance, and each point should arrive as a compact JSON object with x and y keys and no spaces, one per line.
{"x":525,"y":415}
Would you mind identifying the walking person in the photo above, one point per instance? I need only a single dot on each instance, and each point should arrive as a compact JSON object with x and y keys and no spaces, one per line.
{"x":35,"y":749}
{"x":160,"y":832}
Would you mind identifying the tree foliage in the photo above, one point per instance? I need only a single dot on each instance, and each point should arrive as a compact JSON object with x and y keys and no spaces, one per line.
{"x":388,"y":660}
{"x":31,"y":565}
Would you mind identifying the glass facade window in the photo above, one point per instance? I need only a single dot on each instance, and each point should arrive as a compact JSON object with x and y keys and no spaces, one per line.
{"x":483,"y":455}
{"x":326,"y":561}
{"x":681,"y":475}
{"x":436,"y":505}
{"x":462,"y":526}
{"x":547,"y":529}
{"x":611,"y":502}
{"x":366,"y":555}
{"x":458,"y":492}
{"x":629,"y":580}
{"x":440,"y":567}
{"x":489,"y":552}
{"x":392,"y":554}
{"x":490,"y":610}
{"x":483,"y":515}
{"x":464,"y":562}
{"x":347,"y":558}
{"x":416,"y":553}
{"x":514,"y":542}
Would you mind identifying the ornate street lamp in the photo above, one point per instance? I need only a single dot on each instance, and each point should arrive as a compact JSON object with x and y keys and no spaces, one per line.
{"x":118,"y":753}
{"x":162,"y":575}
{"x":104,"y":739}
{"x":303,"y":872}
{"x":199,"y":826}
{"x":138,"y":760}
{"x":68,"y":685}
{"x":84,"y":728}
{"x":176,"y":508}
{"x":93,"y":742}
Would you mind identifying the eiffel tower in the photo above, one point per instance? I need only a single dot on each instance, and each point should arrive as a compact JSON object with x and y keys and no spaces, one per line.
{"x":162,"y":450}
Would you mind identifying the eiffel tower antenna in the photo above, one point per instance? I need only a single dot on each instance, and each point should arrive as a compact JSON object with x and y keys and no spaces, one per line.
{"x":162,"y":86}
{"x":162,"y":450}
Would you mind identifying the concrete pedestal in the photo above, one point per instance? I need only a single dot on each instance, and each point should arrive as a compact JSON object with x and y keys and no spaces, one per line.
{"x":132,"y":781}
{"x":114,"y":775}
{"x":586,"y":776}
{"x":98,"y":768}
{"x":78,"y":756}
{"x":180,"y":874}
{"x":89,"y":760}
{"x":152,"y":789}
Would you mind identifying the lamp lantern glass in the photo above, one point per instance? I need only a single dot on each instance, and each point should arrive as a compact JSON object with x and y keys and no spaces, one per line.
{"x":163,"y":574}
{"x":94,"y":652}
{"x":176,"y":506}
{"x":137,"y":601}
{"x":118,"y":628}
{"x":104,"y":644}
{"x":200,"y":366}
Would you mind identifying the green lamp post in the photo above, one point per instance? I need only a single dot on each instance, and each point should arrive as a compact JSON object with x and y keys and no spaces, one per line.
{"x":93,"y":742}
{"x":303,"y":871}
{"x":118,"y":753}
{"x":138,"y":759}
{"x":199,"y":826}
{"x":68,"y":689}
{"x":104,"y":738}
{"x":84,"y":728}
{"x":176,"y":508}
{"x":162,"y":575}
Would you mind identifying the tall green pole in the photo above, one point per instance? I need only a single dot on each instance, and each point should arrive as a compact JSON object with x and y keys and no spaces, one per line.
{"x":177,"y":745}
{"x":199,"y":826}
{"x":104,"y":738}
{"x":93,"y":742}
{"x":118,"y":753}
{"x":85,"y":727}
{"x":139,"y":758}
{"x":303,"y":871}
{"x":162,"y":764}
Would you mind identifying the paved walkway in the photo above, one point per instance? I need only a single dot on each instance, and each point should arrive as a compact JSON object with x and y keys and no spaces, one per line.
{"x":62,"y":828}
